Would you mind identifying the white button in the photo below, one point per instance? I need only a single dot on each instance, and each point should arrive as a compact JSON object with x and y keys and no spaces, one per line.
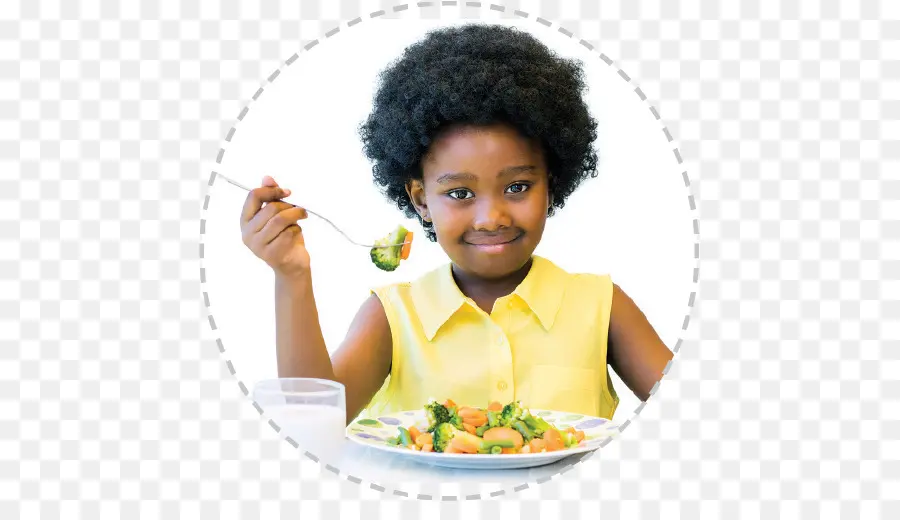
{"x":501,"y":385}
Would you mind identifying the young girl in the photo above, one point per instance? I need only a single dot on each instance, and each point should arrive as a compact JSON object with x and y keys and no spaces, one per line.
{"x":480,"y":132}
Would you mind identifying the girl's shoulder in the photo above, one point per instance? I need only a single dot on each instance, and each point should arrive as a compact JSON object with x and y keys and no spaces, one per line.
{"x":391,"y":291}
{"x":425,"y":282}
{"x":571,"y":288}
{"x":549,"y":271}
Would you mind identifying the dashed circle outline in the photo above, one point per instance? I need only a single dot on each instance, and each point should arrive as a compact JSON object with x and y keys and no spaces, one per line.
{"x":521,"y":14}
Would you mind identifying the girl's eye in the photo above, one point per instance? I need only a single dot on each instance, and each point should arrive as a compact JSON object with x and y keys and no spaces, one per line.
{"x":518,"y":187}
{"x":459,"y":194}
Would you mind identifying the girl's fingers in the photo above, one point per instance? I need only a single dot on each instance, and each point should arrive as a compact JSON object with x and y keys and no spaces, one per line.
{"x":284,"y":239}
{"x":270,"y":182}
{"x":260,"y":220}
{"x":279,"y":223}
{"x":256,"y":198}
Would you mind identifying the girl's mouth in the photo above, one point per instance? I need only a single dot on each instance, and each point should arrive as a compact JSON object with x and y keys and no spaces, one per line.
{"x":496,"y":245}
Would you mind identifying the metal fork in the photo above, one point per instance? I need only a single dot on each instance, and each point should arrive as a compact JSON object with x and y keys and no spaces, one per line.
{"x":370,"y":246}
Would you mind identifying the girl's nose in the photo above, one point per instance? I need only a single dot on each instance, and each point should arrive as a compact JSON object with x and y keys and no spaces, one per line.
{"x":491,"y":215}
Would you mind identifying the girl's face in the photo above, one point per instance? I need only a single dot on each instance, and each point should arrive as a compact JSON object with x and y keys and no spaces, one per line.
{"x":485,"y":189}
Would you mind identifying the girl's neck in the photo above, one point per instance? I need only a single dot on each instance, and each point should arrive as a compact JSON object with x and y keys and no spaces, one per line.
{"x":486,"y":290}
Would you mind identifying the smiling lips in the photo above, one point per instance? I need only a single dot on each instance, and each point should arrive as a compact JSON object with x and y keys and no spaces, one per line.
{"x":492,"y":243}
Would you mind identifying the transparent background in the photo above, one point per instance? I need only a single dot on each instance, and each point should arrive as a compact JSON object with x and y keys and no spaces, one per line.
{"x":114,"y":401}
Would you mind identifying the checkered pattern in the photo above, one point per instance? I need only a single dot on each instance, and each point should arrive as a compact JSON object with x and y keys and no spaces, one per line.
{"x":781,"y":403}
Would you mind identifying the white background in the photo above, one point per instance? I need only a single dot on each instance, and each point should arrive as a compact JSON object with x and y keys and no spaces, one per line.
{"x":633,"y":221}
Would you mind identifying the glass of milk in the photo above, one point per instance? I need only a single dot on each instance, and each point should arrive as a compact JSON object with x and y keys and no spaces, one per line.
{"x":311,"y":411}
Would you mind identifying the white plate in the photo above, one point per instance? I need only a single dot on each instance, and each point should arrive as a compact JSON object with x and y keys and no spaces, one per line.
{"x":375,"y":432}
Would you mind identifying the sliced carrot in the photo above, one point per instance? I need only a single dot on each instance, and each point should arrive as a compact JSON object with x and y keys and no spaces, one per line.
{"x":428,"y":447}
{"x":476,"y":421}
{"x":495,"y":407}
{"x":473,"y":441}
{"x":451,"y":449}
{"x":553,"y":440}
{"x":508,"y":451}
{"x":407,"y":246}
{"x":502,"y":433}
{"x":579,"y":435}
{"x":449,"y":403}
{"x":536,"y":445}
{"x":424,"y":438}
{"x":460,"y":444}
{"x":413,"y":433}
{"x":468,"y":427}
{"x":472,"y":416}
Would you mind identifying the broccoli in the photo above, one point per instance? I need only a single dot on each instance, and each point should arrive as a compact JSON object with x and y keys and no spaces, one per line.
{"x":437,"y":414}
{"x":443,"y":434}
{"x":510,"y":413}
{"x":455,"y":419}
{"x":388,"y":258}
{"x":536,"y":424}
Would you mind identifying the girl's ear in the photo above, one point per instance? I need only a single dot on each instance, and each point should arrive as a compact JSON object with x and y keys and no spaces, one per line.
{"x":415,"y":189}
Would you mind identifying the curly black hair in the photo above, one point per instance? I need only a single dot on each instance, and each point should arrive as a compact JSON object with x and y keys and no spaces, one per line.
{"x":479,"y":74}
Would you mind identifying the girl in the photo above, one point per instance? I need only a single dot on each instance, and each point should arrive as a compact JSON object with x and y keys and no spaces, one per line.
{"x":480,"y":132}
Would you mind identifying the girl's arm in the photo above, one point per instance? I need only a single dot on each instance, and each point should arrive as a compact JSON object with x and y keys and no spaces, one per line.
{"x":361,"y":364}
{"x":635,"y":350}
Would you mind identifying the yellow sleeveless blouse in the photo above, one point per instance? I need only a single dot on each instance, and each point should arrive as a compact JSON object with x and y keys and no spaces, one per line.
{"x":545,"y":344}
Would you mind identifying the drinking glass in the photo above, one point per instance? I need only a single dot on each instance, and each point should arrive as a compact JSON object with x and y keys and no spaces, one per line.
{"x":313,"y":412}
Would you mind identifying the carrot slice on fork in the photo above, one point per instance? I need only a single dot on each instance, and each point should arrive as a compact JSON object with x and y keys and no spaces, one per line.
{"x":407,"y":246}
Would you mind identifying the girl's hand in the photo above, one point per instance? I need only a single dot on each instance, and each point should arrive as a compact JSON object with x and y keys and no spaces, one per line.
{"x":269,"y":228}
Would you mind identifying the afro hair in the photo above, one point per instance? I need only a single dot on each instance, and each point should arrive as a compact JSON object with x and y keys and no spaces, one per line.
{"x":478,"y":74}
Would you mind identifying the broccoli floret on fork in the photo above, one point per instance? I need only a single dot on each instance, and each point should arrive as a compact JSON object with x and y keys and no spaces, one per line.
{"x":390,"y":250}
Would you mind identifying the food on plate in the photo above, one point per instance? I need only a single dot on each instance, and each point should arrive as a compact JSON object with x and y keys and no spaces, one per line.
{"x":388,"y":258}
{"x":496,"y":429}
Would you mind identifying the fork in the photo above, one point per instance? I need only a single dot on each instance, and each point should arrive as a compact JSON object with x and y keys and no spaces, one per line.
{"x":370,"y":246}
